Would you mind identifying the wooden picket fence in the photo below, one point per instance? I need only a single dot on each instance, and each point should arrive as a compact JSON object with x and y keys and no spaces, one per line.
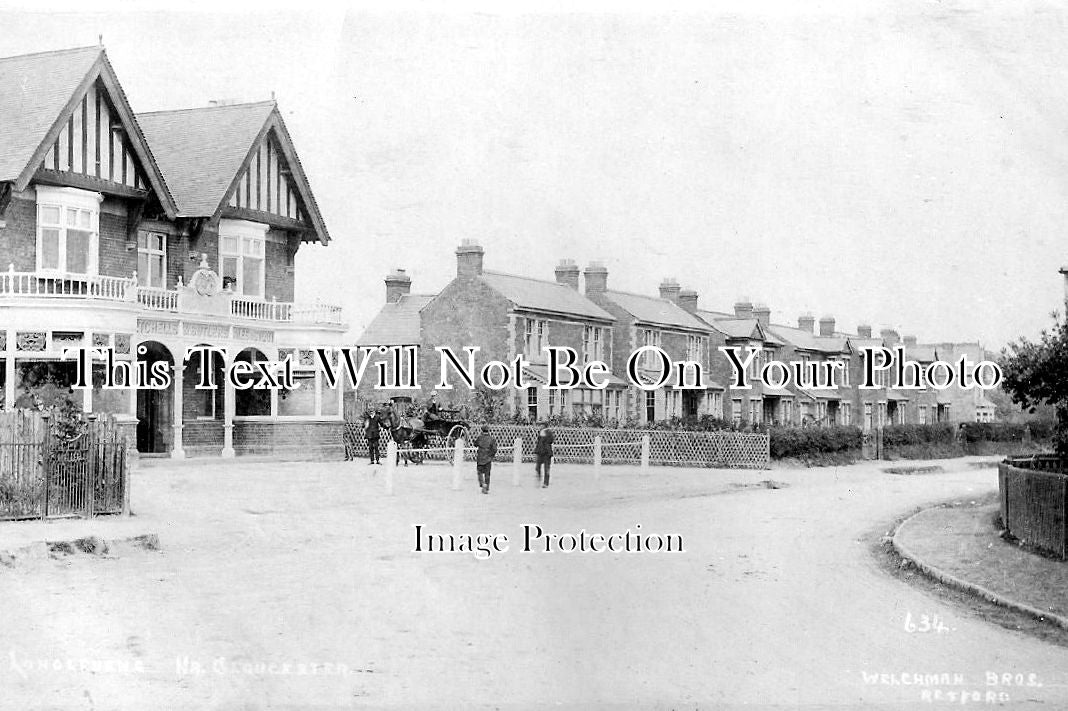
{"x":720,"y":449}
{"x":44,"y":475}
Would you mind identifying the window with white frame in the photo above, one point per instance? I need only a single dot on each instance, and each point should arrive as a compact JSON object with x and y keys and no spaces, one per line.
{"x":923,"y":414}
{"x":151,"y":259}
{"x":650,"y":359}
{"x":650,"y":406}
{"x":843,"y":376}
{"x":755,"y":407}
{"x":847,"y":415}
{"x":787,"y":411}
{"x":695,"y":348}
{"x":532,"y":404}
{"x":717,"y":405}
{"x":68,"y":230}
{"x":869,"y":422}
{"x":736,"y":411}
{"x":241,"y":256}
{"x":901,"y":413}
{"x":612,"y":400}
{"x":534,"y":337}
{"x":592,"y":343}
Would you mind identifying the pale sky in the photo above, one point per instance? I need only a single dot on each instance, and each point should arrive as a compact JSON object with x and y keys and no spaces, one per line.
{"x":904,"y":165}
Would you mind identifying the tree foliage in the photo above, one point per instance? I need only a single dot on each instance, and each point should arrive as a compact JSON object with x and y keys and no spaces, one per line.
{"x":1036,"y":373}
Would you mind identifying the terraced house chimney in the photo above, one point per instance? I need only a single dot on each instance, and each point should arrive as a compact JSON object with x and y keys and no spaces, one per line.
{"x":827,"y":326}
{"x":890,"y":336}
{"x":669,"y":289}
{"x":806,"y":322}
{"x":864,"y":330}
{"x":596,"y":278}
{"x":567,"y":273}
{"x":762,"y":314}
{"x":469,"y":258}
{"x":398,"y":284}
{"x":688,"y":300}
{"x":910,"y":341}
{"x":743,"y":308}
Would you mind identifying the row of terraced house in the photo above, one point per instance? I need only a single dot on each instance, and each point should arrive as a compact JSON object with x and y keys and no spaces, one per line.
{"x":150,"y":233}
{"x":510,"y":315}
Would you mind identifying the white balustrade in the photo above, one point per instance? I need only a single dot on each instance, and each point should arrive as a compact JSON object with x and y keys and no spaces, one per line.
{"x":109,"y":288}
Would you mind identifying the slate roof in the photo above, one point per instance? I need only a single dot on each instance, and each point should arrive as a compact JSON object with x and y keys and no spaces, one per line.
{"x":200,"y":151}
{"x":656,"y":311}
{"x":543,"y":295}
{"x":806,"y":340}
{"x":397,"y":323}
{"x":35,"y":89}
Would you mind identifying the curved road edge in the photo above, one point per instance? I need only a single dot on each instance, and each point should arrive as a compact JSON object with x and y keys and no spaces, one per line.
{"x":938,"y":575}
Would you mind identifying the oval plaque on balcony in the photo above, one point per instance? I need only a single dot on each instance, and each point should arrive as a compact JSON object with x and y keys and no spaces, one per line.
{"x":205,"y":281}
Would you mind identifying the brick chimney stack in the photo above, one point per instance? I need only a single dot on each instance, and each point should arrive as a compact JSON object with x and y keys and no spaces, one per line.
{"x":864,"y":330}
{"x":827,"y":326}
{"x":596,"y":278}
{"x":743,"y":308}
{"x":762,"y":314}
{"x":807,"y":322}
{"x":469,"y":258}
{"x":398,"y":284}
{"x":567,"y":273}
{"x":688,"y":300}
{"x":910,"y":341}
{"x":890,"y":336}
{"x":669,"y":289}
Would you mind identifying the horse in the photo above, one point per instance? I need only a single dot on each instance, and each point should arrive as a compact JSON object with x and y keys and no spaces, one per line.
{"x":410,"y":436}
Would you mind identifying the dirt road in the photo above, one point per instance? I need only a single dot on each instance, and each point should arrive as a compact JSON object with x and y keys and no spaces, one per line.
{"x":296,"y":586}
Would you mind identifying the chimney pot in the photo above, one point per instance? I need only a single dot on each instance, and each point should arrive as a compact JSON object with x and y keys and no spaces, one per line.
{"x":469,"y":258}
{"x":890,"y":336}
{"x":688,"y":300}
{"x":596,"y":278}
{"x":398,"y":284}
{"x":910,"y":341}
{"x":864,"y":330}
{"x":827,"y":326}
{"x":669,"y":289}
{"x":567,"y":273}
{"x":743,"y":308}
{"x":806,"y":322}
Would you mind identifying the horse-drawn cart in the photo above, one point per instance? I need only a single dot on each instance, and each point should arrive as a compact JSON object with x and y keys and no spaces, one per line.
{"x":436,"y":432}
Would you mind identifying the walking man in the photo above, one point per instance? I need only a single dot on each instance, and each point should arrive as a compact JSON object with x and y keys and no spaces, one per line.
{"x":372,"y":430}
{"x":543,"y":453}
{"x":487,"y":450}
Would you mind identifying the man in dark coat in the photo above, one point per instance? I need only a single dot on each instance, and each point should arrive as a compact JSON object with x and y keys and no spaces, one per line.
{"x":543,"y":453}
{"x":372,"y":430}
{"x":487,"y":450}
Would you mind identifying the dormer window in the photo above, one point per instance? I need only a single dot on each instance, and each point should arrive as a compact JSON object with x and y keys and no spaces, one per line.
{"x":68,"y":227}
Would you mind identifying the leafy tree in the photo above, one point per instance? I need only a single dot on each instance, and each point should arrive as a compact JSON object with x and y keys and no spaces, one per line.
{"x":1036,"y":374}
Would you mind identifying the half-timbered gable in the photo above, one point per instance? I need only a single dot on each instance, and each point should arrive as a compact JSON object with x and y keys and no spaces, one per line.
{"x":80,"y":132}
{"x":235,"y":162}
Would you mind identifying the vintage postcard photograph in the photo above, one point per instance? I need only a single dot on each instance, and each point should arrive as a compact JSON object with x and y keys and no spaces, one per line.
{"x":534,"y":356}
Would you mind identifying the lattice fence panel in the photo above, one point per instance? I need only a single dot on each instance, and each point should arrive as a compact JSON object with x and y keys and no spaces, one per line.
{"x":575,"y":445}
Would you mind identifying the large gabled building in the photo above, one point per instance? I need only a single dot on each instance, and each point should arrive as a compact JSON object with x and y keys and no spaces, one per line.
{"x":149,"y":234}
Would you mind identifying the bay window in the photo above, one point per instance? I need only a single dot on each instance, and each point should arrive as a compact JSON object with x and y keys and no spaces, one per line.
{"x":68,"y":228}
{"x":241,"y":256}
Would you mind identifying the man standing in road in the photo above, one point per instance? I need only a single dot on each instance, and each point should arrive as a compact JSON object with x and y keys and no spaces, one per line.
{"x":487,"y":450}
{"x":543,"y":453}
{"x":372,"y":431}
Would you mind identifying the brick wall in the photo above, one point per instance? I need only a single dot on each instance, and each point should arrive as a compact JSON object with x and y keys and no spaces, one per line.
{"x":311,"y":441}
{"x":114,"y":258}
{"x":278,"y":272}
{"x":18,"y":238}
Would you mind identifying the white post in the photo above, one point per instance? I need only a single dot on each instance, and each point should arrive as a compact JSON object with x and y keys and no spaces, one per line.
{"x":597,"y":457}
{"x":645,"y":456}
{"x":391,"y":464}
{"x":177,"y":445}
{"x":517,"y":459}
{"x":457,"y":463}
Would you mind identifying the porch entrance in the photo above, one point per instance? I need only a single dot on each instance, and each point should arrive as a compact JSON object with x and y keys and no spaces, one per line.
{"x":155,"y":408}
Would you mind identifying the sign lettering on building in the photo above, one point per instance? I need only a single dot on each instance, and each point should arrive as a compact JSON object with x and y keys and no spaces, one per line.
{"x":155,"y":327}
{"x":253,"y":334}
{"x":205,"y":330}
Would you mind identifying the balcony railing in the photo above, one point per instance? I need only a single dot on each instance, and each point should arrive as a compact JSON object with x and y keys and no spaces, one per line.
{"x":106,"y":288}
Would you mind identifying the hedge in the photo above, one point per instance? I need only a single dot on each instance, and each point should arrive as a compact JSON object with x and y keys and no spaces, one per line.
{"x":812,"y":441}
